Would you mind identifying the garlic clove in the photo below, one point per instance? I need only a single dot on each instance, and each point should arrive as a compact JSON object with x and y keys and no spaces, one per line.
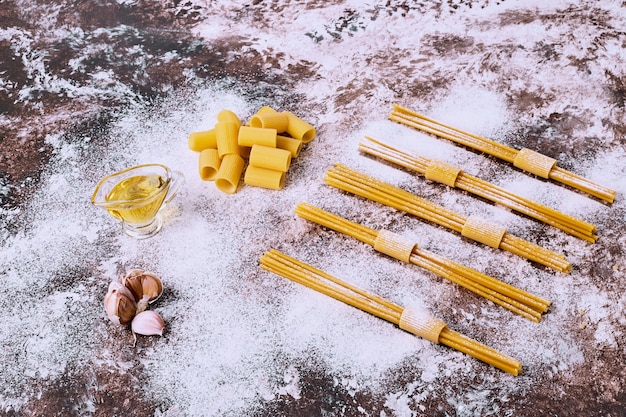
{"x":145,"y":286}
{"x":119,"y":304}
{"x":148,"y":323}
{"x":152,"y":286}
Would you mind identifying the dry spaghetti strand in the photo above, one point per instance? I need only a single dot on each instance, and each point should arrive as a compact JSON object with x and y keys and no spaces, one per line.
{"x":322,"y":282}
{"x":469,"y":183}
{"x":418,"y":121}
{"x":357,"y":183}
{"x":505,"y":295}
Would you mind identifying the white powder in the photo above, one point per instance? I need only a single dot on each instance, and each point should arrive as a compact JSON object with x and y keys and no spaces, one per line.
{"x":237,"y":335}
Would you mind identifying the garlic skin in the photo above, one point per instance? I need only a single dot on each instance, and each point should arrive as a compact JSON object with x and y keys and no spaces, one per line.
{"x":145,"y":286}
{"x":132,"y":281}
{"x":148,"y":323}
{"x":119,"y":304}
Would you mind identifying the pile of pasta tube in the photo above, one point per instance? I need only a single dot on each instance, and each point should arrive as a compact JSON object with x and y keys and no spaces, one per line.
{"x":268,"y":142}
{"x":505,"y":295}
{"x":525,"y":159}
{"x":410,"y":319}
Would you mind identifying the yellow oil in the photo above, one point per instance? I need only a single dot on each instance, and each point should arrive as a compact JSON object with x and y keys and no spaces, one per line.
{"x":140,"y":198}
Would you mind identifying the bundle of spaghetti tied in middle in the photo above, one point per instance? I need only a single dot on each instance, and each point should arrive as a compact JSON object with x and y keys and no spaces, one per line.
{"x":411,"y":319}
{"x":524,"y":159}
{"x":475,"y":228}
{"x":452,"y":176}
{"x":513,"y":299}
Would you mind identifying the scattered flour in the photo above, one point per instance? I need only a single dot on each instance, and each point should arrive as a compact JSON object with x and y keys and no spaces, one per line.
{"x":237,"y":335}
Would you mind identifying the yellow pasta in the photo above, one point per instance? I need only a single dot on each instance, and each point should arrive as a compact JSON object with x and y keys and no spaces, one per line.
{"x":249,"y":136}
{"x":422,"y":324}
{"x":363,"y":185}
{"x":209,"y":164}
{"x":270,"y":158}
{"x":454,"y":177}
{"x":228,"y":116}
{"x":229,"y":173}
{"x":442,"y":172}
{"x":513,"y":299}
{"x":199,"y":141}
{"x":227,"y":134}
{"x":299,"y":129}
{"x":394,"y":245}
{"x":269,"y":120}
{"x":266,"y":109}
{"x":262,"y":110}
{"x":483,"y":231}
{"x":263,"y":177}
{"x":410,"y":319}
{"x":290,"y":144}
{"x":534,"y":162}
{"x":529,"y":161}
{"x":269,"y":154}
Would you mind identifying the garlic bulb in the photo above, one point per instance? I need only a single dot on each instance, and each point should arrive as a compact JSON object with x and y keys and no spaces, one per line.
{"x":148,"y":323}
{"x":119,"y":303}
{"x":145,"y":286}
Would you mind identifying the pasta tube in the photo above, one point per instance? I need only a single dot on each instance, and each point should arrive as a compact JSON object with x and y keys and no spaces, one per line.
{"x":209,"y":164}
{"x":394,"y":245}
{"x":442,"y":172}
{"x":534,"y":162}
{"x":482,"y":231}
{"x":290,"y":144}
{"x":228,"y":116}
{"x":251,"y":135}
{"x":229,"y":173}
{"x":226,"y":135}
{"x":198,"y":141}
{"x":422,"y":324}
{"x":265,"y":110}
{"x":263,"y":177}
{"x":299,"y":129}
{"x":269,"y":120}
{"x":270,"y":158}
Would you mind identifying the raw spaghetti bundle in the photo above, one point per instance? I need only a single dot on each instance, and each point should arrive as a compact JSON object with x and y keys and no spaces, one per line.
{"x":413,"y":320}
{"x":452,"y":176}
{"x":525,"y":159}
{"x":474,"y":228}
{"x":513,"y":299}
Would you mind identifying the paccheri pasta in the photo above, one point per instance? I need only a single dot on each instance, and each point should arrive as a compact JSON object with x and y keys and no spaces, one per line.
{"x":227,"y":138}
{"x":250,"y":136}
{"x":199,"y":141}
{"x":263,"y":177}
{"x":229,"y":173}
{"x":524,"y":159}
{"x":270,"y":158}
{"x":299,"y":129}
{"x":290,"y":144}
{"x":209,"y":164}
{"x":411,"y":319}
{"x":270,"y":120}
{"x":228,"y":116}
{"x":268,"y":153}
